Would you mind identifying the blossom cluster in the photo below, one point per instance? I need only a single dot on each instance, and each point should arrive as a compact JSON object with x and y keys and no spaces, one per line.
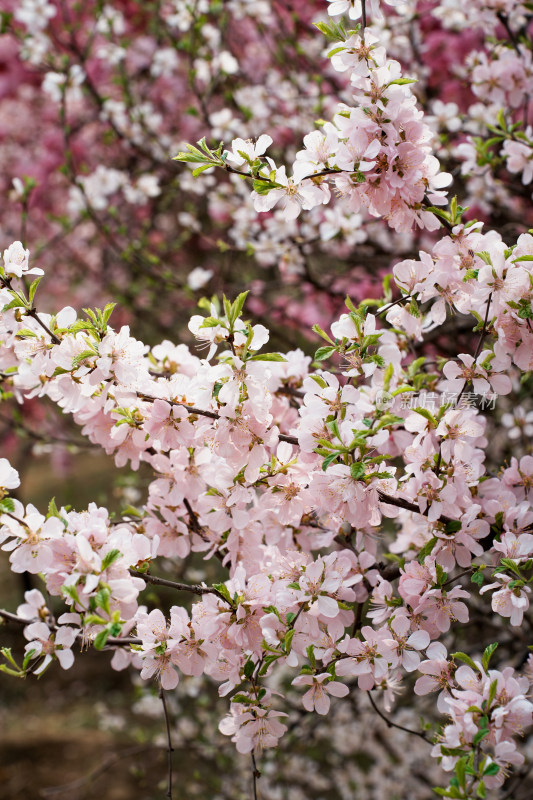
{"x":356,"y":531}
{"x":91,"y":69}
{"x":260,"y":461}
{"x":381,"y":148}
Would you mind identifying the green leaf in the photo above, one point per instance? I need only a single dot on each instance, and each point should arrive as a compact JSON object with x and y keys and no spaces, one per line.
{"x":131,"y":511}
{"x":54,"y":512}
{"x":237,"y":307}
{"x":480,"y":735}
{"x":76,"y":361}
{"x":451,"y":751}
{"x":241,"y":698}
{"x":287,"y":642}
{"x":210,"y":322}
{"x":477,"y":577}
{"x":460,"y":771}
{"x":193,"y":155}
{"x":470,"y":274}
{"x":15,"y":303}
{"x":81,"y":325}
{"x":264,"y":669}
{"x":263,"y":187}
{"x":460,"y":656}
{"x":52,"y":509}
{"x":324,"y":352}
{"x":223,"y":590}
{"x":267,"y":357}
{"x":493,"y":688}
{"x":26,"y":333}
{"x":487,"y":655}
{"x":7,"y":504}
{"x":335,"y":51}
{"x":110,"y":558}
{"x":387,"y":377}
{"x":508,"y":563}
{"x":102,"y":599}
{"x":108,"y":310}
{"x":199,"y":170}
{"x":249,"y":668}
{"x":440,"y":575}
{"x":329,"y":459}
{"x":485,"y":256}
{"x":492,"y":769}
{"x":452,"y":792}
{"x":426,"y":550}
{"x":27,"y":658}
{"x":333,"y":426}
{"x":357,"y":470}
{"x":101,"y":639}
{"x":402,"y":81}
{"x":335,"y":31}
{"x":426,"y":414}
{"x":33,"y":289}
{"x":452,"y":526}
{"x":317,"y":329}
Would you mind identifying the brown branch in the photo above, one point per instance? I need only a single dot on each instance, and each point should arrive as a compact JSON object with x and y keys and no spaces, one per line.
{"x":204,"y":413}
{"x":170,"y":749}
{"x":179,"y":587}
{"x":255,"y":774}
{"x":114,"y":641}
{"x":9,"y":617}
{"x":106,"y":764}
{"x":330,"y":171}
{"x":399,"y":502}
{"x":32,"y":312}
{"x":479,"y":345}
{"x":391,"y":724}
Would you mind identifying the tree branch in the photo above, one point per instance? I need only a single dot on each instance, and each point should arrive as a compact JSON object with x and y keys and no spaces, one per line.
{"x":204,"y":413}
{"x":180,"y":587}
{"x":391,"y":724}
{"x":170,"y":749}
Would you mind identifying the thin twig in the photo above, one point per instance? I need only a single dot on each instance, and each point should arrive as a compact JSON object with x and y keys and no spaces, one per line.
{"x":399,"y":502}
{"x":505,"y":22}
{"x":384,"y":309}
{"x":106,"y":764}
{"x":32,"y":312}
{"x":461,"y":575}
{"x":9,"y":617}
{"x":358,"y":619}
{"x":255,"y":775}
{"x":479,"y":346}
{"x":179,"y":587}
{"x":204,"y":413}
{"x":170,"y":749}
{"x":392,"y":724}
{"x":114,"y":641}
{"x":34,"y":315}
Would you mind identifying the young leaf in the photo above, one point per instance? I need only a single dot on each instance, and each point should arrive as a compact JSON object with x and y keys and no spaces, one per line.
{"x":329,"y":459}
{"x":268,"y":357}
{"x":324,"y":352}
{"x":459,"y":656}
{"x":487,"y":655}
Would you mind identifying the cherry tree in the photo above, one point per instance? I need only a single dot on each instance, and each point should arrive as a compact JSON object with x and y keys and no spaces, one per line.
{"x":360,"y":505}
